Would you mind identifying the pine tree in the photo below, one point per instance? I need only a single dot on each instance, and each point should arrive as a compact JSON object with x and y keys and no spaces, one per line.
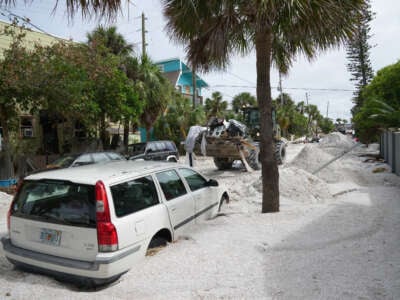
{"x":358,"y":51}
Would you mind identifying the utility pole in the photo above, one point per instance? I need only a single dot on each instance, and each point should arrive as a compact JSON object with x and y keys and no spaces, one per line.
{"x":143,"y":36}
{"x":327,"y":110}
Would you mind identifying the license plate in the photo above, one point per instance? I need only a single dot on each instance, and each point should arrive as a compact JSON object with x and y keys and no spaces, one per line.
{"x":50,"y":236}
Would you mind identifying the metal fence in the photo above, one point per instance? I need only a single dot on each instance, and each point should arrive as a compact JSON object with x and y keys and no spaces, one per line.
{"x":390,"y":149}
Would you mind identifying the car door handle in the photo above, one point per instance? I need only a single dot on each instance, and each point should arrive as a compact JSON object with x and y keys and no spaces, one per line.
{"x":173,"y":208}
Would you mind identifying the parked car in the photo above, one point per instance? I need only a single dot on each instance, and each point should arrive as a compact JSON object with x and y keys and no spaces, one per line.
{"x":80,"y":159}
{"x":93,"y":223}
{"x":154,"y":150}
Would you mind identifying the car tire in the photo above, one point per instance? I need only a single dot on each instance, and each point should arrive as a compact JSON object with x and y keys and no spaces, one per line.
{"x":157,"y":241}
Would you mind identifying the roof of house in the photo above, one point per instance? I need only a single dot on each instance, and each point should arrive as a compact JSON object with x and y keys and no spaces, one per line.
{"x":175,"y":68}
{"x":30,"y":39}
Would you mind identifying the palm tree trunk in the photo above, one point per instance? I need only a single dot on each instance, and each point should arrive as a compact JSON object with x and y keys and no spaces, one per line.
{"x":269,"y":167}
{"x":148,"y":134}
{"x":103,"y":132}
{"x":126,"y":134}
{"x":7,"y":169}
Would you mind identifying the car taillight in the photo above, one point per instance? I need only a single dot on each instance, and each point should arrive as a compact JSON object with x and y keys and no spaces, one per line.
{"x":107,"y":236}
{"x":20,"y":182}
{"x":9,"y":218}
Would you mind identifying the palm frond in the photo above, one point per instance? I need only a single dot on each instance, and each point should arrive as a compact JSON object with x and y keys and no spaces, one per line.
{"x":88,"y":8}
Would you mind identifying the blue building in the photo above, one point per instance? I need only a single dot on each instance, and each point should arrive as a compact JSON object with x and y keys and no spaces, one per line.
{"x":180,"y":76}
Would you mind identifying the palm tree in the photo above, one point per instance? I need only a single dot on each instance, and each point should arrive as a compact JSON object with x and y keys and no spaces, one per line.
{"x":214,"y":30}
{"x":242,"y":100}
{"x":313,"y":115}
{"x":215,"y":106}
{"x":385,"y":114}
{"x":88,"y":8}
{"x":111,"y":40}
{"x":154,"y":90}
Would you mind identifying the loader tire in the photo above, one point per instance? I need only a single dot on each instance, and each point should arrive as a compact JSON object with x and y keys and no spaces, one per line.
{"x":280,"y":152}
{"x":253,"y":160}
{"x":223,"y":163}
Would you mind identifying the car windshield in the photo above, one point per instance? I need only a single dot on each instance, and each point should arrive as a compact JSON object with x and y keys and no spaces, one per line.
{"x":56,"y":202}
{"x":64,"y":161}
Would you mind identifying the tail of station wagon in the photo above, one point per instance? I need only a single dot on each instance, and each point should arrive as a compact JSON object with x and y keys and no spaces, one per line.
{"x":95,"y":222}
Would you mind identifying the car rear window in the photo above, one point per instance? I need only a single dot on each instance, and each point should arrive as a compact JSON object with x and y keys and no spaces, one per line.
{"x":56,"y":202}
{"x":134,"y":195}
{"x":170,"y":146}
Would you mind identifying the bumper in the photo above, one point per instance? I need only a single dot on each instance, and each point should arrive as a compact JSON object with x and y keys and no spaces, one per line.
{"x":105,"y":268}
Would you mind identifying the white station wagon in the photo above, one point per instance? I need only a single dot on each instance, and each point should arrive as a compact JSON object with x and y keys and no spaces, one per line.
{"x":93,"y":223}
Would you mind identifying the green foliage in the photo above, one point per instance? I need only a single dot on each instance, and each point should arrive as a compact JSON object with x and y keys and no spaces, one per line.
{"x":176,"y":121}
{"x":381,"y":108}
{"x":243,"y":100}
{"x":88,"y":8}
{"x":154,"y":90}
{"x":326,"y":125}
{"x":109,"y":40}
{"x":74,"y":81}
{"x":298,"y":126}
{"x":115,"y":95}
{"x":300,"y":119}
{"x":215,"y":106}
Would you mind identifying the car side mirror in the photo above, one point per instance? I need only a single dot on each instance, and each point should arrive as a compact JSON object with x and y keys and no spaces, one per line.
{"x":212,"y":182}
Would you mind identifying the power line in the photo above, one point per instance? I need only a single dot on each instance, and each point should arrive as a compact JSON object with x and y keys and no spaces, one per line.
{"x":288,"y":88}
{"x":11,"y":15}
{"x":241,"y":78}
{"x":224,"y":94}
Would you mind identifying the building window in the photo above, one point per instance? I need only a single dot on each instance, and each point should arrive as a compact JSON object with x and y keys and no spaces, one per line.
{"x":26,"y":127}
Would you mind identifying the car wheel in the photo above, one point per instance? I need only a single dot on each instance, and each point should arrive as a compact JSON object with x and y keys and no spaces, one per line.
{"x":157,"y":241}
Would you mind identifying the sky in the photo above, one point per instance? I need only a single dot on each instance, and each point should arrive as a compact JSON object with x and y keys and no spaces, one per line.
{"x":324,"y":81}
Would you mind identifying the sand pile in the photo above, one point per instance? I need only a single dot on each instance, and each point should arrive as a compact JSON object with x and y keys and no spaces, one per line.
{"x":336,"y":143}
{"x":312,"y":157}
{"x":297,"y":185}
{"x":301,"y":186}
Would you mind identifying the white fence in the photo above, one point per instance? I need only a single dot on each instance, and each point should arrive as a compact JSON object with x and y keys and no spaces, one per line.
{"x":390,"y":149}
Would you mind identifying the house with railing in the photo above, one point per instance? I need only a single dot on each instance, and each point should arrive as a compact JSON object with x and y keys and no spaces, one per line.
{"x":181,"y":77}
